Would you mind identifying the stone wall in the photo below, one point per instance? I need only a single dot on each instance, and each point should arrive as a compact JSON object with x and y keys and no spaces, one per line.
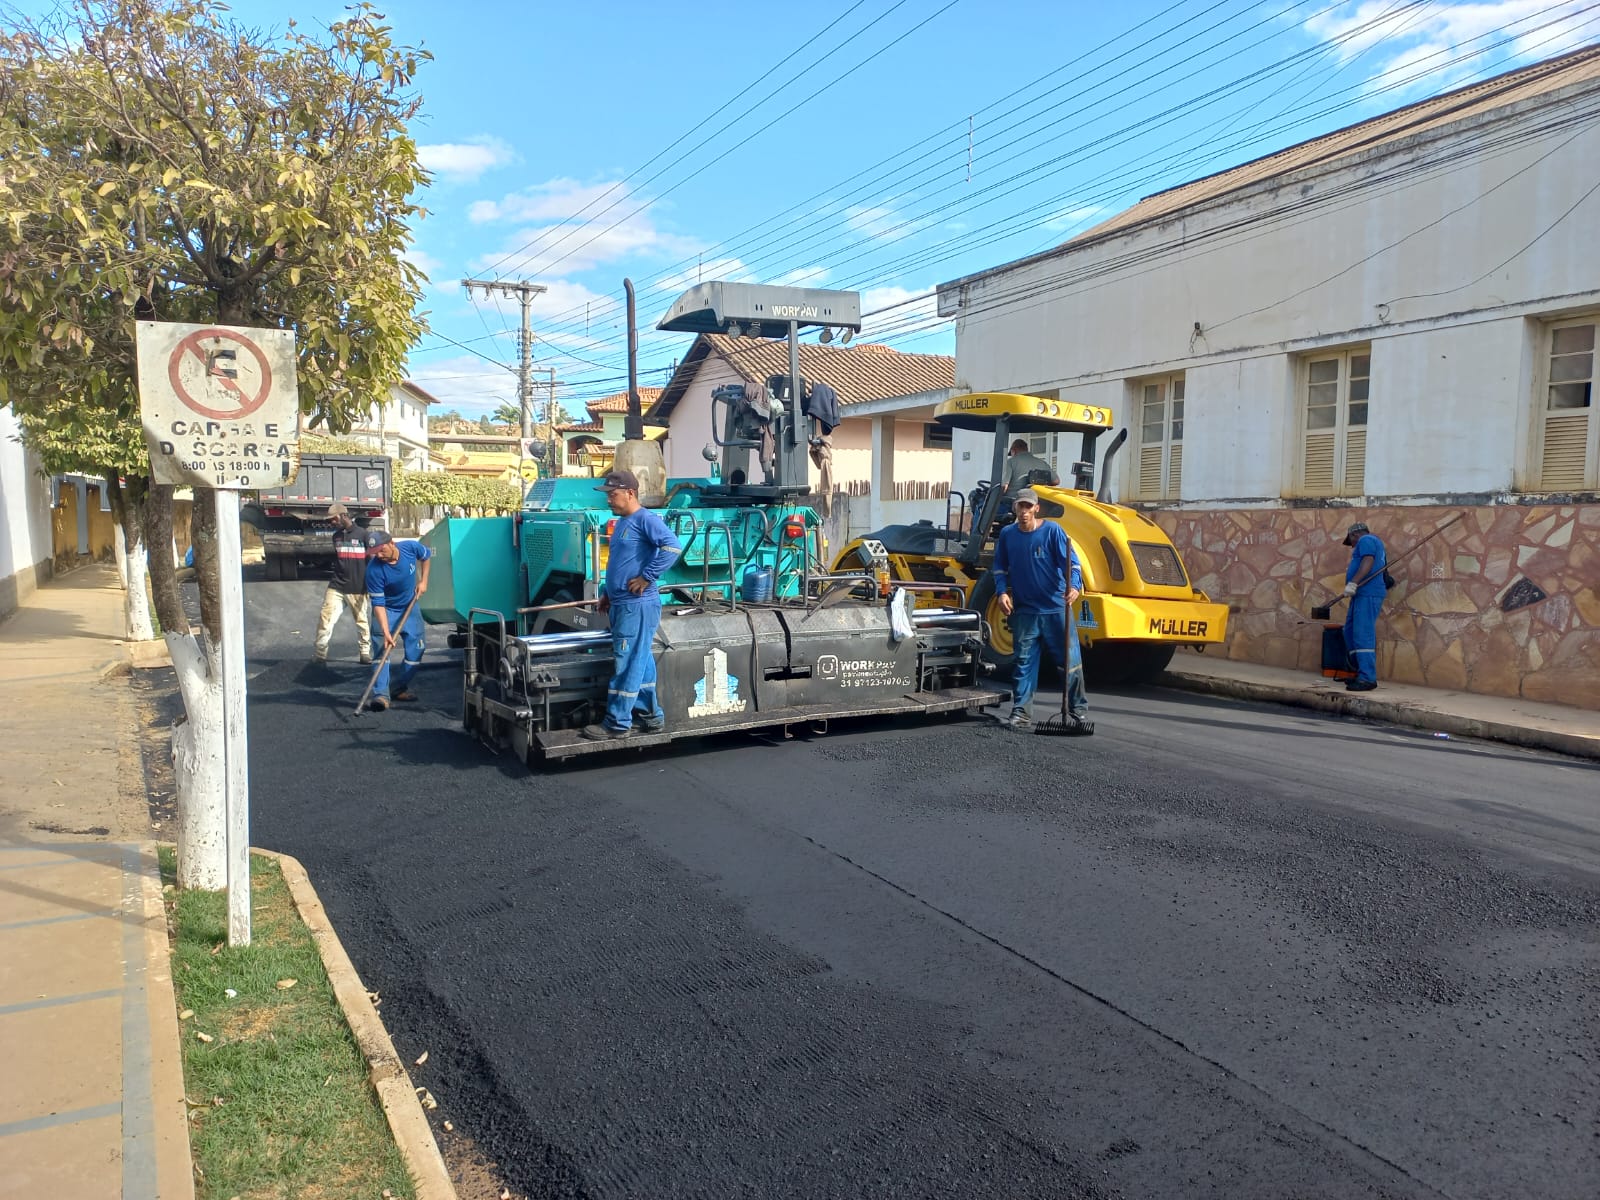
{"x":1506,"y":601}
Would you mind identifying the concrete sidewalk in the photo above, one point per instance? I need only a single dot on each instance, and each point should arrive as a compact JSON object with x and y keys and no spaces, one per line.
{"x":1555,"y":727}
{"x":93,"y":1103}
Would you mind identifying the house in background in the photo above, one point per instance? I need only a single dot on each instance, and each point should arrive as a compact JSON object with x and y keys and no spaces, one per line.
{"x":1395,"y":323}
{"x":886,"y":449}
{"x":484,"y":456}
{"x":27,"y":549}
{"x":588,"y":447}
{"x":398,"y":427}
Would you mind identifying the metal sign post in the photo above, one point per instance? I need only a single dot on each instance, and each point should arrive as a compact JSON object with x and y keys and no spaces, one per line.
{"x":220,"y":408}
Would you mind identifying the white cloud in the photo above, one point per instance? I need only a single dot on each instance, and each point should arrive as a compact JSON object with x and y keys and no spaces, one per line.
{"x":912,"y":307}
{"x":466,"y":382}
{"x":566,"y":228}
{"x":463,"y":162}
{"x":717,"y":268}
{"x":1071,"y":218}
{"x":881,"y":221}
{"x":1423,"y":42}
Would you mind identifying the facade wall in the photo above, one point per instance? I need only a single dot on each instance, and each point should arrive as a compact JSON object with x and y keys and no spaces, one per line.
{"x":1446,"y":623}
{"x":26,"y":549}
{"x":1446,"y":258}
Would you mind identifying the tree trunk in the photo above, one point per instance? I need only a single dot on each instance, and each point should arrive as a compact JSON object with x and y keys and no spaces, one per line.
{"x":197,"y":749}
{"x":127,"y":506}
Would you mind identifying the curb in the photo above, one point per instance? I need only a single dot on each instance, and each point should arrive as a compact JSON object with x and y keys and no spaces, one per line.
{"x":387,"y":1073}
{"x":1370,"y":708}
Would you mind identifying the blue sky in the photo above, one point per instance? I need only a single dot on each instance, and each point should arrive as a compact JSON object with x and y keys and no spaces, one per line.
{"x":828,"y":144}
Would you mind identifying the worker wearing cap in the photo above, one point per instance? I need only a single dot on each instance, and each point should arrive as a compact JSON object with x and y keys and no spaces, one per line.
{"x":642,"y":547}
{"x":1365,"y":586}
{"x":1037,"y":579}
{"x":397,"y":574}
{"x":348,"y":587}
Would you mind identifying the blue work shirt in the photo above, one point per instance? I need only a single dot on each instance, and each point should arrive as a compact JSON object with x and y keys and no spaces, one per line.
{"x":1366,"y":544}
{"x":1033,"y":567}
{"x":641,"y":544}
{"x":393,"y":584}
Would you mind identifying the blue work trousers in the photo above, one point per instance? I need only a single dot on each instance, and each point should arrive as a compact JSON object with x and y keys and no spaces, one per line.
{"x":633,"y":687}
{"x":408,"y":648}
{"x":1027,"y":631}
{"x":1361,"y":635}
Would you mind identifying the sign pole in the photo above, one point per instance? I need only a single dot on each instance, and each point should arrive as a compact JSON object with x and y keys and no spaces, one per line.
{"x":235,"y":732}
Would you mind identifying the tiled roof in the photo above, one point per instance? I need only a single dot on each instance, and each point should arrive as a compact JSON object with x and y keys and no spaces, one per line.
{"x":1526,"y":83}
{"x":618,"y":402}
{"x":581,"y":427}
{"x":858,"y":373}
{"x":419,"y":392}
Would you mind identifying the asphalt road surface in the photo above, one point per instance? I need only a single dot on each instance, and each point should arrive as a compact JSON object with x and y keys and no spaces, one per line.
{"x":1218,"y":950}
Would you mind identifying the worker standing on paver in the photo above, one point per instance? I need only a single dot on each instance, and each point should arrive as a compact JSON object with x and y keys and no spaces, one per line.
{"x":1365,"y":587}
{"x":396,"y":575}
{"x":1037,"y":579}
{"x":642,"y":547}
{"x":348,"y":587}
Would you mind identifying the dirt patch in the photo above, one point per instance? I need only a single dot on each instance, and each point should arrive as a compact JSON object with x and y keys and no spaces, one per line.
{"x":474,"y":1175}
{"x":86,"y":831}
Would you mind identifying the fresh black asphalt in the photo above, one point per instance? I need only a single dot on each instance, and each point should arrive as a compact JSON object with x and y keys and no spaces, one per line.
{"x":1218,"y":950}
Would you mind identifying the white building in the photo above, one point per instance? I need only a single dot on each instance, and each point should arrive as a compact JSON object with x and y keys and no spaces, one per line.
{"x":26,"y":539}
{"x":1393,"y":323}
{"x":399,"y":427}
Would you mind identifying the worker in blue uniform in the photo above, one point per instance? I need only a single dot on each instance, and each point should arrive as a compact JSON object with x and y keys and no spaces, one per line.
{"x":397,"y":573}
{"x":1037,"y":579}
{"x":1365,"y":587}
{"x":642,"y":547}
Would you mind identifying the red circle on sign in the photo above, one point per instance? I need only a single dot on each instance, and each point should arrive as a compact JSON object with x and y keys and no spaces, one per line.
{"x":247,"y":404}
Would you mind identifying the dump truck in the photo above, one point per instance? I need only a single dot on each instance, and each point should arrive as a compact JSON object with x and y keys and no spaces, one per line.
{"x":1138,"y":603}
{"x":293,"y":519}
{"x":756,"y":633}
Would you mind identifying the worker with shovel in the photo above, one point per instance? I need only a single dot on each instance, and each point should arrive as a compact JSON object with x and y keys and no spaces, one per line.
{"x":1365,"y":588}
{"x":397,"y":576}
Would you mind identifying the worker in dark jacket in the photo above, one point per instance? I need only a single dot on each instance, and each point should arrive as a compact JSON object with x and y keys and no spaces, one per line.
{"x":642,"y":547}
{"x":348,"y":587}
{"x":1365,"y":586}
{"x":1037,"y":579}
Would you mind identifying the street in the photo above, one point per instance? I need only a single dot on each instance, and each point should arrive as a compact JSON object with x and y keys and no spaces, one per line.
{"x":1218,"y":950}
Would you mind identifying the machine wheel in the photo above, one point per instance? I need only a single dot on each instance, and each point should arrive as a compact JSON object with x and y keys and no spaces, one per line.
{"x":997,"y":647}
{"x":1125,"y":662}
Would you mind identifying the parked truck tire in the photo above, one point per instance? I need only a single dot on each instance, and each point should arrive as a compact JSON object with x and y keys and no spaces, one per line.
{"x":282,"y":566}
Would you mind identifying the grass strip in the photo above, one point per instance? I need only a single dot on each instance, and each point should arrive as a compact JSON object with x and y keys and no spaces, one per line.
{"x":279,"y":1102}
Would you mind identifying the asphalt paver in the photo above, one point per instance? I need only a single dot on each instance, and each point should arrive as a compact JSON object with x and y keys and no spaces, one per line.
{"x":1218,"y":950}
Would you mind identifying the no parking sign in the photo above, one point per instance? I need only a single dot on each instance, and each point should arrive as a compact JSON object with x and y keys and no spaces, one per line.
{"x":219,"y":404}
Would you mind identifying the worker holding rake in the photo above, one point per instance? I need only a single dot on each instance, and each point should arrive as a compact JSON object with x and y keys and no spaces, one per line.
{"x":1037,"y":579}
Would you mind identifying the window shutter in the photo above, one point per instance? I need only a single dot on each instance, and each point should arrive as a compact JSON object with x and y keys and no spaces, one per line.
{"x":1566,"y":445}
{"x":1355,"y":463}
{"x":1319,"y":462}
{"x":1150,"y":471}
{"x":1175,"y":471}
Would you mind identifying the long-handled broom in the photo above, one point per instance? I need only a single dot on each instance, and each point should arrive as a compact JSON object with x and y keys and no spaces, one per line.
{"x":1064,"y":724}
{"x":1323,"y":612}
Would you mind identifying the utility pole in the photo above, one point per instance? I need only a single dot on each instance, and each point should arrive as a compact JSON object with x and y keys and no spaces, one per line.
{"x":525,"y":292}
{"x":555,"y":450}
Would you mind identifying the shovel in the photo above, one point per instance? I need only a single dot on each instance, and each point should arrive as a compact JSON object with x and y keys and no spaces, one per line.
{"x":1322,"y":612}
{"x":387,"y":650}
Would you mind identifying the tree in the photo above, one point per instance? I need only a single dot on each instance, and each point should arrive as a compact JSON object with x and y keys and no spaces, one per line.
{"x":163,"y":162}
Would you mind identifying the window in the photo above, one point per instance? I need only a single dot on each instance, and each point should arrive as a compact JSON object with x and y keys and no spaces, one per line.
{"x":1160,"y":416}
{"x":1333,"y":460}
{"x":1567,"y":433}
{"x":937,"y":437}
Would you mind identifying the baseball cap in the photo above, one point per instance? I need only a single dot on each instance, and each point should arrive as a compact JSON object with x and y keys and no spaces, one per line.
{"x":1354,"y":532}
{"x":1027,"y":496}
{"x":376,"y":538}
{"x":617,"y":481}
{"x":338,"y":510}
